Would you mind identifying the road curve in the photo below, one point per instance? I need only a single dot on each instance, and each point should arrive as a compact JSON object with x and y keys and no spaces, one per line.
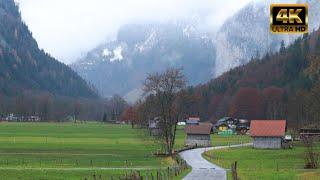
{"x":203,"y":169}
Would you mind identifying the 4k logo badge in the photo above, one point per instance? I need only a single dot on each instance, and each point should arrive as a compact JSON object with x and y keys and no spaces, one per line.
{"x":289,"y":18}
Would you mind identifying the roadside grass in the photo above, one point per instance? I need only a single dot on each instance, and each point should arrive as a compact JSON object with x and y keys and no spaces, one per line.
{"x":264,"y":163}
{"x":218,"y":140}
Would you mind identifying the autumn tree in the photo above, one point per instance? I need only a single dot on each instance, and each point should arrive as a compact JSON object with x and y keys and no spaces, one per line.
{"x":247,"y":103}
{"x":164,"y":88}
{"x":129,"y":116}
{"x":275,"y":108}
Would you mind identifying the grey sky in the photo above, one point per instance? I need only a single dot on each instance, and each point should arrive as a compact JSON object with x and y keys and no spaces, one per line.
{"x":67,"y":28}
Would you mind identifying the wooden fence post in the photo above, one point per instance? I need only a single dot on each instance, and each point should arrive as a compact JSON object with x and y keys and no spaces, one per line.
{"x":234,"y":171}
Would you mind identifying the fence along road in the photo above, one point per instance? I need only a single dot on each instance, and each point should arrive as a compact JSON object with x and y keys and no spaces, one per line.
{"x":203,"y":169}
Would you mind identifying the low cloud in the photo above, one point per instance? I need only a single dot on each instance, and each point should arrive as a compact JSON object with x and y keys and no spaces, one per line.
{"x":67,"y":28}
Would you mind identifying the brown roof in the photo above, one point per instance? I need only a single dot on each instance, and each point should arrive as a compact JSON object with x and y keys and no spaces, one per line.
{"x":194,"y":118}
{"x":269,"y":128}
{"x":202,"y":128}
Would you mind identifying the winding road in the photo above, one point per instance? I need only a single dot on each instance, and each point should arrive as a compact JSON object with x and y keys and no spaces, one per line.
{"x":203,"y":169}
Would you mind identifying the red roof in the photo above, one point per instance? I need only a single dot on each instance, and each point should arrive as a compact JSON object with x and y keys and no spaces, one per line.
{"x":202,"y":128}
{"x":269,"y":128}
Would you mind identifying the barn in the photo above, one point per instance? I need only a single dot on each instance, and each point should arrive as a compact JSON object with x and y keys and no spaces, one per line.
{"x":267,"y":134}
{"x":198,"y":135}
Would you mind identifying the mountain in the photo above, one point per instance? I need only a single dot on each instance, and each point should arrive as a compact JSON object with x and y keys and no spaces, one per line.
{"x":283,"y":85}
{"x":120,"y":66}
{"x":246,"y":34}
{"x":26,"y":68}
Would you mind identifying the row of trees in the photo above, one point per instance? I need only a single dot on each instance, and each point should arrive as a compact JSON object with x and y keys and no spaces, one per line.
{"x":57,"y":108}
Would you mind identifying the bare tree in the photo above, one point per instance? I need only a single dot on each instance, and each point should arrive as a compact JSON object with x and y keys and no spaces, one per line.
{"x":311,"y":156}
{"x":77,"y":108}
{"x":118,"y":105}
{"x":45,"y":106}
{"x":165,"y":87}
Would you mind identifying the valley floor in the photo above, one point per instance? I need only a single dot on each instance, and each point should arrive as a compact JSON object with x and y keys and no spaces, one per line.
{"x":78,"y":151}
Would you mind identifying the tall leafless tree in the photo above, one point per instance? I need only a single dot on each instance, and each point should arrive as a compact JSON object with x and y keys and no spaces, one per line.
{"x":165,"y":87}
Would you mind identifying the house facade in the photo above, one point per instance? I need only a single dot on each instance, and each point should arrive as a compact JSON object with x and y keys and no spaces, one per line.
{"x":154,"y":127}
{"x":267,"y":134}
{"x":198,"y":135}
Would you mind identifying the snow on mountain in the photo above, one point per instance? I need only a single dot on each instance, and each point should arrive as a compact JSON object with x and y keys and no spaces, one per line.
{"x":120,"y":66}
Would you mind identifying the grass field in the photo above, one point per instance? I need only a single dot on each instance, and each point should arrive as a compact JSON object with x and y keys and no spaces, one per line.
{"x":265,"y":164}
{"x":76,"y":151}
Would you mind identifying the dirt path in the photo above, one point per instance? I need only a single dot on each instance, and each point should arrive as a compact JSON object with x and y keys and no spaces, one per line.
{"x":203,"y":169}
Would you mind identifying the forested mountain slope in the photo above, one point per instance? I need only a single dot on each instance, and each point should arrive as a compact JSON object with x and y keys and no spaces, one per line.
{"x":284,"y":85}
{"x":26,"y":68}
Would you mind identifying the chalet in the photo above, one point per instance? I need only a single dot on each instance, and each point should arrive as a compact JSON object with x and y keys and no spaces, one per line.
{"x":154,"y":127}
{"x":198,"y":135}
{"x":193,"y":120}
{"x":267,"y":134}
{"x":241,"y":126}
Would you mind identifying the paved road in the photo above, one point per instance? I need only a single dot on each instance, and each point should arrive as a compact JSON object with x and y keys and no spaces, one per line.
{"x":201,"y":168}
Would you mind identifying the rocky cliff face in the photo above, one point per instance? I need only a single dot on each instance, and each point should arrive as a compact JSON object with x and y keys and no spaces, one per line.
{"x":246,"y":34}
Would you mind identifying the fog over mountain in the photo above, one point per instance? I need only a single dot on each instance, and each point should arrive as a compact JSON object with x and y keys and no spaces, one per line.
{"x":67,"y":29}
{"x":247,"y":35}
{"x":120,"y":66}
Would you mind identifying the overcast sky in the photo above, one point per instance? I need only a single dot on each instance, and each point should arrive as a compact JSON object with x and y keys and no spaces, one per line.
{"x":68,"y":28}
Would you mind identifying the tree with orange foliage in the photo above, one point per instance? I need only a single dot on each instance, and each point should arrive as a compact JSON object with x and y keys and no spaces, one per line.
{"x":247,"y":103}
{"x":275,"y":108}
{"x":129,"y":116}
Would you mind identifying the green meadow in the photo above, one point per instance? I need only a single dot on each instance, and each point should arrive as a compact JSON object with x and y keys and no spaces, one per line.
{"x":265,"y":164}
{"x":78,"y":151}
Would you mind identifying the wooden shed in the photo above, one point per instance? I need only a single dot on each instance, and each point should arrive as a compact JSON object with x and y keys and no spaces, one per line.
{"x":267,"y":134}
{"x":198,"y":135}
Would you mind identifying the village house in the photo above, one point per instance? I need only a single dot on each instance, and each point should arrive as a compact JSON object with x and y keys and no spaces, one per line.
{"x":154,"y":127}
{"x":193,"y":120}
{"x":267,"y":134}
{"x":198,"y":135}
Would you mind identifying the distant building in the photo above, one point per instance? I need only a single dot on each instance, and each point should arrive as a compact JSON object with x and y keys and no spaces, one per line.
{"x":154,"y":127}
{"x":198,"y":135}
{"x":309,"y":132}
{"x":267,"y":134}
{"x":241,"y":126}
{"x":11,"y":117}
{"x":32,"y":118}
{"x":193,"y":120}
{"x":181,"y":123}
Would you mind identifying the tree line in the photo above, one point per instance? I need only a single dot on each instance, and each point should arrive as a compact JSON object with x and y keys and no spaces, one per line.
{"x":51,"y":108}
